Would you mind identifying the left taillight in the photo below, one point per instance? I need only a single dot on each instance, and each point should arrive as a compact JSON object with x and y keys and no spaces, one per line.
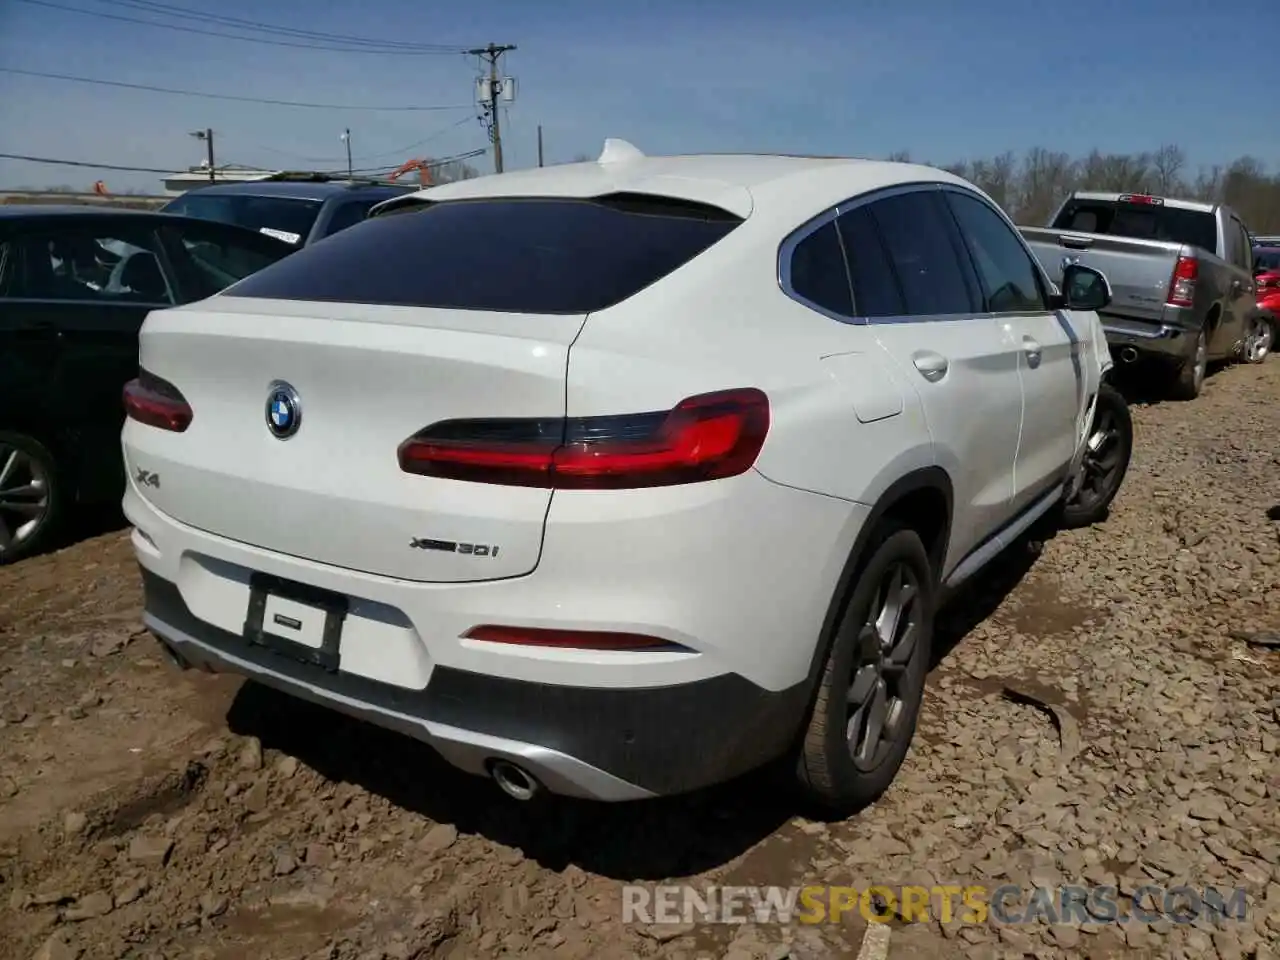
{"x":157,"y":403}
{"x":711,"y":436}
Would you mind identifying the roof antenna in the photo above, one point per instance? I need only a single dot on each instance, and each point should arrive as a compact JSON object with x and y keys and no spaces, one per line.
{"x":618,"y":151}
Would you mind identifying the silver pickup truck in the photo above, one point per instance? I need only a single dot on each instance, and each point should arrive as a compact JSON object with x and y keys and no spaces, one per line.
{"x":1181,"y":276}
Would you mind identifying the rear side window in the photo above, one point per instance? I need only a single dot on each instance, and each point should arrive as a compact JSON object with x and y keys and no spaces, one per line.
{"x":875,"y":288}
{"x":516,"y":255}
{"x":1140,"y":221}
{"x":818,"y":271}
{"x":918,"y":235}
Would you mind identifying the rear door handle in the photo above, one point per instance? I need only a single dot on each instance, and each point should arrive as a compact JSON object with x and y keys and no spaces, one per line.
{"x":932,"y":366}
{"x":1031,"y":348}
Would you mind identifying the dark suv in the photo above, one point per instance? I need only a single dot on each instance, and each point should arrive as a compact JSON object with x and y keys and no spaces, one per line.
{"x":298,"y":210}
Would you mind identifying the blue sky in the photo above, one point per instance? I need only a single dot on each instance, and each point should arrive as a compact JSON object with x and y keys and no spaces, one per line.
{"x":945,"y":81}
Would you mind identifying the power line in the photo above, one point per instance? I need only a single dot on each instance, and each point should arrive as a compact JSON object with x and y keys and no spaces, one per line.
{"x":165,"y":9}
{"x":457,"y":158}
{"x":55,"y":161}
{"x":226,"y":96}
{"x":80,"y":163}
{"x":402,"y":151}
{"x":347,"y":48}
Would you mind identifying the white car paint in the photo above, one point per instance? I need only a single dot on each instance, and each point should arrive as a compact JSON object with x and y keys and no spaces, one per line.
{"x":739,"y":571}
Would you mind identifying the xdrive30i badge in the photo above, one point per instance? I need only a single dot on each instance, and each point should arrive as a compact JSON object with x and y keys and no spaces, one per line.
{"x":452,"y":546}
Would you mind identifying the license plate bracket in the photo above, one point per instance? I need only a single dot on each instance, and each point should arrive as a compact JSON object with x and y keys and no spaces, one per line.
{"x":263,"y":587}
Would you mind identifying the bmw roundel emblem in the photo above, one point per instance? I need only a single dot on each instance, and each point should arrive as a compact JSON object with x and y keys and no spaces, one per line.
{"x":284,"y":410}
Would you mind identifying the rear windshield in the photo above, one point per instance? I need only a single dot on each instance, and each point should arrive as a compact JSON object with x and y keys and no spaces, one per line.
{"x":286,"y":218}
{"x":515,"y":255}
{"x":1268,"y":258}
{"x":1141,"y":222}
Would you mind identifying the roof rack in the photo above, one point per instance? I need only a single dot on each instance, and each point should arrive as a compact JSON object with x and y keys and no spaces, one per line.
{"x":311,"y":176}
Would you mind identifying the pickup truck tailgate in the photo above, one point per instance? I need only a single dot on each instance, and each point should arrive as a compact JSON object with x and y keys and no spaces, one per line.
{"x":1139,"y":271}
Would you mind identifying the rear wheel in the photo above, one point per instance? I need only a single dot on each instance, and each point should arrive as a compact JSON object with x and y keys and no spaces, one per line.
{"x":1106,"y":460}
{"x":30,"y":496}
{"x":868,"y":700}
{"x":1189,"y":380}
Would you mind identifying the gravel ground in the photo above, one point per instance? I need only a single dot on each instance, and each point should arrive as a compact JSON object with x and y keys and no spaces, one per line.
{"x":1108,"y":711}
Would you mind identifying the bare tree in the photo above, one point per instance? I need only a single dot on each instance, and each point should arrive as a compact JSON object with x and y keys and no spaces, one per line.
{"x":453,"y":170}
{"x":1032,"y":187}
{"x":1047,"y":177}
{"x":1168,"y":162}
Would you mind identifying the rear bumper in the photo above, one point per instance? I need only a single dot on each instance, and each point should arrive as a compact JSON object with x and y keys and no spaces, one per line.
{"x":1163,"y":340}
{"x":740,"y":576}
{"x":608,"y":745}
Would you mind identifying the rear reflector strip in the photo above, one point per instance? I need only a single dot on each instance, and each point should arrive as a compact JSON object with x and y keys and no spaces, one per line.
{"x":706,"y":437}
{"x":567,"y":639}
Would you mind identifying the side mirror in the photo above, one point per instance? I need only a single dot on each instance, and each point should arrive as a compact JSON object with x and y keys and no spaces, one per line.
{"x":1084,"y":288}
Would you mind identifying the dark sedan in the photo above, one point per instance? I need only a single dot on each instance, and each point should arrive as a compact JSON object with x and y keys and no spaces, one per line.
{"x":76,"y":283}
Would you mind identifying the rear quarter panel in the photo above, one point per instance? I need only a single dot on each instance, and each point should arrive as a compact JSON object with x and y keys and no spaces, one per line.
{"x":722,"y":322}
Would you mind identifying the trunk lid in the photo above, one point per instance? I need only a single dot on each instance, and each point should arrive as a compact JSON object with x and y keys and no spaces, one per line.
{"x":367,"y":377}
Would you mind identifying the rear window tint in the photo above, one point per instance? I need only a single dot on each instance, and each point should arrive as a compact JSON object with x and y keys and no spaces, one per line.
{"x":1140,"y":222}
{"x":516,"y":255}
{"x":285,"y":218}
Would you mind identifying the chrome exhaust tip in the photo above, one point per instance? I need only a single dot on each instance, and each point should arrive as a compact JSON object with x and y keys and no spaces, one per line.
{"x":1128,"y":354}
{"x":515,"y":781}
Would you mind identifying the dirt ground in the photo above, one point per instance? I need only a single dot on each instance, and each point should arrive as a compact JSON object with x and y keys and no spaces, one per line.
{"x":1107,"y":711}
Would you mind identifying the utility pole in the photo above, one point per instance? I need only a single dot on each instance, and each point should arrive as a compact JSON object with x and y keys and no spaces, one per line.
{"x":491,"y":53}
{"x":207,"y":136}
{"x":539,"y":144}
{"x":346,"y":137}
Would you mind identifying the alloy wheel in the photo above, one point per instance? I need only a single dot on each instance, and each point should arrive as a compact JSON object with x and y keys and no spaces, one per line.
{"x":1103,"y":458}
{"x":1257,"y":342}
{"x":1201,"y":360}
{"x":24,"y":497}
{"x":877,"y":698}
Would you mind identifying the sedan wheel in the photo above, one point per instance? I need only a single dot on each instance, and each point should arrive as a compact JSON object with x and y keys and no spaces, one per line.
{"x":28,"y":498}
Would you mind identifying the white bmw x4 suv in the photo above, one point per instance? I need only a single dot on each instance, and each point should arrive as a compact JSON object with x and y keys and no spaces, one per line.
{"x":620,"y":478}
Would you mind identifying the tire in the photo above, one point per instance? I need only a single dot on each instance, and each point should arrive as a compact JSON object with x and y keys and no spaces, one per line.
{"x":1189,"y":379}
{"x":1104,"y":468}
{"x":1259,"y":339}
{"x":31,"y":500}
{"x":826,"y":768}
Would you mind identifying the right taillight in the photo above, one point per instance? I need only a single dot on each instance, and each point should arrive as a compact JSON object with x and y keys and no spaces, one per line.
{"x":1182,"y":286}
{"x":707,"y":437}
{"x":157,"y":403}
